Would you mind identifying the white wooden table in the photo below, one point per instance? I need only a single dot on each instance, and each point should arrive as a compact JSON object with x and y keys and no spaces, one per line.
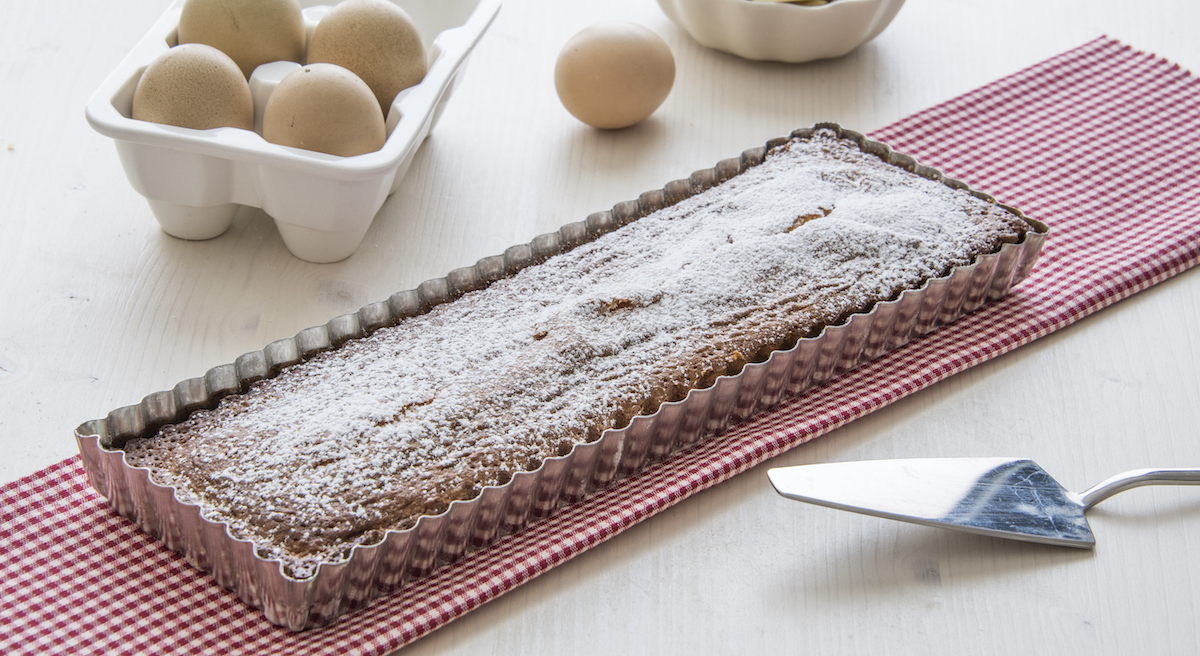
{"x":98,"y":307}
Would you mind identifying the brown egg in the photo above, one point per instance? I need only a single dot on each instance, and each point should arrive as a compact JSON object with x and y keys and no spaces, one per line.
{"x":376,"y":40}
{"x":326,"y":108}
{"x":252,"y":32}
{"x":194,"y":86}
{"x":613,"y":75}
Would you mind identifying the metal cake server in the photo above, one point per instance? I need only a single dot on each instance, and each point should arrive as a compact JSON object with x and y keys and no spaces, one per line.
{"x":1003,"y":497}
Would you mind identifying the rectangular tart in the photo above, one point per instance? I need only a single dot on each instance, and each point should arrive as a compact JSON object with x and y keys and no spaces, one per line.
{"x":345,"y":446}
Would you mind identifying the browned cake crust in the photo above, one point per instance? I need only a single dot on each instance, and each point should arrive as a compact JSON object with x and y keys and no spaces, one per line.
{"x":394,"y":426}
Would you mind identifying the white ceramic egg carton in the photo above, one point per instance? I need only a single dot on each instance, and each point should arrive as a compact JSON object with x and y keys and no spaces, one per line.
{"x":195,"y":180}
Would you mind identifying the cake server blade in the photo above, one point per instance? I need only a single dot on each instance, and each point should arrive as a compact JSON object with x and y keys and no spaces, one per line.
{"x":1002,"y":497}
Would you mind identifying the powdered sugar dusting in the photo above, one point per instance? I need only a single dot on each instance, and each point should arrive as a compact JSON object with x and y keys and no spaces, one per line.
{"x":397,"y":425}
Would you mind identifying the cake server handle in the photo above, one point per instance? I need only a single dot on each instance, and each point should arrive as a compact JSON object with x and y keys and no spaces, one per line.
{"x":1136,"y":478}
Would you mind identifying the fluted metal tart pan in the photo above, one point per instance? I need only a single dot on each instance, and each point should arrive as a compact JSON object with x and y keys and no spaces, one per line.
{"x":397,"y":556}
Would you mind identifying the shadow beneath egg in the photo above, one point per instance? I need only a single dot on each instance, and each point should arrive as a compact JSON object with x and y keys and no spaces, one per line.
{"x":615,"y":149}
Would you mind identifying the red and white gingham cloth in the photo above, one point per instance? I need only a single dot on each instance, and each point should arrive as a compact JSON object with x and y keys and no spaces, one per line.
{"x":1102,"y":143}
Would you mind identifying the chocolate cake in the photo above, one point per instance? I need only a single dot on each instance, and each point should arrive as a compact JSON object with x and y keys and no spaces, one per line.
{"x":374,"y":434}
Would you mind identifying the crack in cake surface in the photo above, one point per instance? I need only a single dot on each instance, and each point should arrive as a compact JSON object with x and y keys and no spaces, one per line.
{"x":396,"y":425}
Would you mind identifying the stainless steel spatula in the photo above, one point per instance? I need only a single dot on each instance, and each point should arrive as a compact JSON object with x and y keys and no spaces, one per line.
{"x":1003,"y":497}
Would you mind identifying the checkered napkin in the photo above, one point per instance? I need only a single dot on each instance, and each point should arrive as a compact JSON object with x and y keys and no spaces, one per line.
{"x":1102,"y":143}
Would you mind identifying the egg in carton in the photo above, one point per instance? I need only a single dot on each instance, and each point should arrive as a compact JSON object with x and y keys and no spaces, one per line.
{"x":322,"y":204}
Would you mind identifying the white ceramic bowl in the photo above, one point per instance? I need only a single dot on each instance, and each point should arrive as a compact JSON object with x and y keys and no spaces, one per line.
{"x":776,"y":31}
{"x":195,"y":180}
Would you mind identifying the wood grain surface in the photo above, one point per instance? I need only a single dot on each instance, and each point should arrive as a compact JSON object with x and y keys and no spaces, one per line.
{"x":99,"y":307}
